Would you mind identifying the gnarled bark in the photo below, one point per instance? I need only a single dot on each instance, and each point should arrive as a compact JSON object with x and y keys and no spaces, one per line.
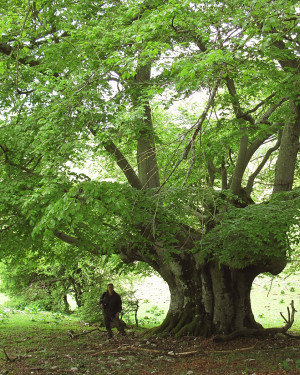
{"x":206,"y":299}
{"x":213,"y":300}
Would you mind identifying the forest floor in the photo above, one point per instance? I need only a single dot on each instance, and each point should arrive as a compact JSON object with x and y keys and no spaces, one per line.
{"x":41,"y":345}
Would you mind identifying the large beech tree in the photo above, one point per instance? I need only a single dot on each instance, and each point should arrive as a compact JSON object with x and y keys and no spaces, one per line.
{"x":163,"y":131}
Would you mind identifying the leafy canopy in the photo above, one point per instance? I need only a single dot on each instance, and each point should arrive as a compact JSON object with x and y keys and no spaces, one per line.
{"x":74,"y":98}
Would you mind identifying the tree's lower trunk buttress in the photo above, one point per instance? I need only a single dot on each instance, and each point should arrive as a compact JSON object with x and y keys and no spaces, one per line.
{"x":210,"y":300}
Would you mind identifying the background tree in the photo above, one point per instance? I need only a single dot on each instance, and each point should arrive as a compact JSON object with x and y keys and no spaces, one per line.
{"x":75,"y":286}
{"x":81,"y":83}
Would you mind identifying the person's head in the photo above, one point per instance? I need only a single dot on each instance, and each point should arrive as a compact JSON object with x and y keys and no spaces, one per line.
{"x":110,"y":288}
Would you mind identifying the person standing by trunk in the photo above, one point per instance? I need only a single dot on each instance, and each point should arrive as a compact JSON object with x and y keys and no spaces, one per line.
{"x":111,"y":304}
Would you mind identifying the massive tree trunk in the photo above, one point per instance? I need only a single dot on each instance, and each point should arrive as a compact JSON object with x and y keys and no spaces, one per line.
{"x":206,"y":298}
{"x":209,"y":300}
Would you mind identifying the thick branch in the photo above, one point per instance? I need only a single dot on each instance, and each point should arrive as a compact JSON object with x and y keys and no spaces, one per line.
{"x":245,"y":155}
{"x":124,"y":165}
{"x":6,"y":49}
{"x":251,"y":179}
{"x":92,"y":248}
{"x":235,"y":102}
{"x":212,"y":170}
{"x":242,"y":161}
{"x":286,"y":62}
{"x":196,"y":213}
{"x":66,"y":238}
{"x":265,"y":117}
{"x":122,"y":162}
{"x":256,"y":143}
{"x":288,"y":153}
{"x":224,"y":175}
{"x":241,"y":164}
{"x":198,"y":127}
{"x":146,"y":153}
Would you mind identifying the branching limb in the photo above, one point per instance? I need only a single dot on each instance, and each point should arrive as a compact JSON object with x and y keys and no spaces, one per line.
{"x":92,"y":248}
{"x":212,"y":170}
{"x":124,"y":165}
{"x":235,"y":102}
{"x":245,"y":152}
{"x":254,"y":109}
{"x":290,"y":320}
{"x":251,"y":179}
{"x":122,"y":162}
{"x":265,"y":117}
{"x":198,"y":127}
{"x":21,"y":167}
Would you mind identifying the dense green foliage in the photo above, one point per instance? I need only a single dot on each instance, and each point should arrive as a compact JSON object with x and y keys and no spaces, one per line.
{"x":197,"y":103}
{"x":41,"y":285}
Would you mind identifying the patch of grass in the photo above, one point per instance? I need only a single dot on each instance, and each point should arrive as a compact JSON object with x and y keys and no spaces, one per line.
{"x":267,"y":300}
{"x":44,"y":346}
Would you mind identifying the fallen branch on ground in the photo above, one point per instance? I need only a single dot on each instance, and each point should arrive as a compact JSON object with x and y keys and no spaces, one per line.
{"x":8,"y":359}
{"x":155,"y":351}
{"x":73,"y":336}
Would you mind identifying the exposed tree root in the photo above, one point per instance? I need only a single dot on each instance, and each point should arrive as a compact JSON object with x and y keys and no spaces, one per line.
{"x":154,"y":351}
{"x":292,"y":336}
{"x":8,"y":359}
{"x":74,"y":336}
{"x":165,"y":328}
{"x":186,"y":324}
{"x":165,"y":352}
{"x":186,"y":329}
{"x":261,"y":331}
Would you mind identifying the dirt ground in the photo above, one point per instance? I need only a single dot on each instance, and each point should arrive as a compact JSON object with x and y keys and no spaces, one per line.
{"x":65,"y":351}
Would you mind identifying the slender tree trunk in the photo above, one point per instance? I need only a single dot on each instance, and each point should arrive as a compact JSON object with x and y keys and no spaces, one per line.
{"x":66,"y":304}
{"x":77,"y":291}
{"x":146,"y":153}
{"x":286,"y":162}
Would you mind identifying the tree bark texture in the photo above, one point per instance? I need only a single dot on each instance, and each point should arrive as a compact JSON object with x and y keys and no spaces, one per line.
{"x":146,"y":153}
{"x":287,"y":158}
{"x":208,"y":298}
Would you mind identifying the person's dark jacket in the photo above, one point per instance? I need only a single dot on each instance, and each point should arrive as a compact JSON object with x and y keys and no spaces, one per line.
{"x":111,"y":304}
